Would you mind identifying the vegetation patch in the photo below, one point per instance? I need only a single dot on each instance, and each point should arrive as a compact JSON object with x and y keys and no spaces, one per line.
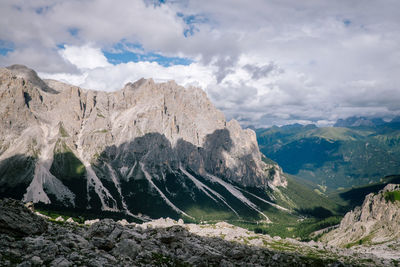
{"x":392,"y":196}
{"x":209,"y":214}
{"x":99,"y":114}
{"x":62,"y":131}
{"x":363,"y":241}
{"x":282,"y":246}
{"x":80,"y":215}
{"x":101,"y":131}
{"x":71,"y":166}
{"x":53,"y":215}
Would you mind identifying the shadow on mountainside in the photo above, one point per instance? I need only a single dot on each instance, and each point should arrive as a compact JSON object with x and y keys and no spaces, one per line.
{"x":147,"y":173}
{"x":158,"y":155}
{"x":166,"y":165}
{"x":316,"y":212}
{"x":16,"y":173}
{"x":356,"y":195}
{"x":307,"y":153}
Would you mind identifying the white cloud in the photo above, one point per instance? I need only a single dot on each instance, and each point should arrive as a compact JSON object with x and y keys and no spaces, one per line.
{"x":97,"y":73}
{"x":84,"y":57}
{"x":271,"y":61}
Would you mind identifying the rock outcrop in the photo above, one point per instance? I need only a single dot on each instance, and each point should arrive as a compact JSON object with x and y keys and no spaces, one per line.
{"x":161,"y":243}
{"x":18,"y":221}
{"x":376,"y":221}
{"x":62,"y":144}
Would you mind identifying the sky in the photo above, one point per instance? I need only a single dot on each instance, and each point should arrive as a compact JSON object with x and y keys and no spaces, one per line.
{"x":262,"y":62}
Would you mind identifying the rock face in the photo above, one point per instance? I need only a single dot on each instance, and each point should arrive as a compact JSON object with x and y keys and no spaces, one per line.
{"x":61,"y":144}
{"x":162,"y":243}
{"x":376,"y":221}
{"x":17,"y":220}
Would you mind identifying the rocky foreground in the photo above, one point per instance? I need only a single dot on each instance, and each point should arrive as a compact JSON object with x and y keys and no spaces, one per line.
{"x":29,"y":240}
{"x":373,"y":227}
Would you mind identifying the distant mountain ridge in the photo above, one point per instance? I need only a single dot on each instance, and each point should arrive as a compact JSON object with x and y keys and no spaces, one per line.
{"x":366,"y":122}
{"x":336,"y":157}
{"x":156,"y":149}
{"x":359,"y":121}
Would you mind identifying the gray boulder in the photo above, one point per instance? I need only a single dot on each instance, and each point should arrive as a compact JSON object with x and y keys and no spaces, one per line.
{"x":18,"y":220}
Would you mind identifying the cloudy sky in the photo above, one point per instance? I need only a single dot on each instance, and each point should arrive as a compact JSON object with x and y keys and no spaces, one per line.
{"x":262,"y":62}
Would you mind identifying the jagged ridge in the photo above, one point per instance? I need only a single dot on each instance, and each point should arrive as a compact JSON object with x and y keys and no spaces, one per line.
{"x":114,"y":151}
{"x":377,"y":221}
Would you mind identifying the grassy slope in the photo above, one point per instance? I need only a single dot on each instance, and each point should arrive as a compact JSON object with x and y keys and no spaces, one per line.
{"x":349,"y":198}
{"x":334,"y":156}
{"x":310,"y":211}
{"x":392,"y":196}
{"x":70,"y":171}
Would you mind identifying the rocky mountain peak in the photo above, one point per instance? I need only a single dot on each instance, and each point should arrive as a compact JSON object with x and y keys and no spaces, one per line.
{"x":84,"y":145}
{"x":27,"y":74}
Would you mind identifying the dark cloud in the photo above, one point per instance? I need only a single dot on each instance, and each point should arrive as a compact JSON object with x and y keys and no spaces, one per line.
{"x":261,"y":72}
{"x":225,"y":66}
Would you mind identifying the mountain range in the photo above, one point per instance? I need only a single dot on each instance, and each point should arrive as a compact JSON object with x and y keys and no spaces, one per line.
{"x":356,"y":121}
{"x":359,"y":152}
{"x":153,"y":149}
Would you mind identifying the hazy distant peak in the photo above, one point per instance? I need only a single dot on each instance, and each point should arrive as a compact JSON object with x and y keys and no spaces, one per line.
{"x":359,"y":121}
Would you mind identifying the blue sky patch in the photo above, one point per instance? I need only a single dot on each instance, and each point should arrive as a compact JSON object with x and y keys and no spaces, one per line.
{"x":191,"y":21}
{"x":61,"y":46}
{"x":347,"y":22}
{"x":42,"y":10}
{"x":124,"y":53}
{"x":6,"y":47}
{"x":73,"y":31}
{"x":155,"y":2}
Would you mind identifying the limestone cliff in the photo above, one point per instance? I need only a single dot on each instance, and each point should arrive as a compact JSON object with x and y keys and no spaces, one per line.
{"x":61,"y":143}
{"x":375,"y":222}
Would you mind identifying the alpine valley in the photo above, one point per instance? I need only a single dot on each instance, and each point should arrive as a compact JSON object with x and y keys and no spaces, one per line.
{"x":354,"y":152}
